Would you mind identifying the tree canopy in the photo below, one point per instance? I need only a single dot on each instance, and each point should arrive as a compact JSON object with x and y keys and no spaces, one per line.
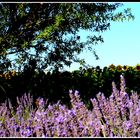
{"x":46,"y":35}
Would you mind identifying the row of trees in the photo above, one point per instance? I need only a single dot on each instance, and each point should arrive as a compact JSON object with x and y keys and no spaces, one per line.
{"x":56,"y":85}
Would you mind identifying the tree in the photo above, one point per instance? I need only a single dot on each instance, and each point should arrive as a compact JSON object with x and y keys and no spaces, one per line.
{"x":46,"y":34}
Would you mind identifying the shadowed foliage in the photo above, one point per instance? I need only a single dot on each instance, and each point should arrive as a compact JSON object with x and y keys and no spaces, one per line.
{"x":46,"y":35}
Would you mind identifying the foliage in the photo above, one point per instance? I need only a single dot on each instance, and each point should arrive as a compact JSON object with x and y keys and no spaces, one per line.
{"x":46,"y":35}
{"x":55,"y":85}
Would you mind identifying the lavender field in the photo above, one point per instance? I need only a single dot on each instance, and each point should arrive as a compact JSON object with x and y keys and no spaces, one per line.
{"x":116,"y":116}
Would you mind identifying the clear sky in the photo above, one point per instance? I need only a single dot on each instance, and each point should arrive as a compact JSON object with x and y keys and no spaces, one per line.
{"x":121,"y":43}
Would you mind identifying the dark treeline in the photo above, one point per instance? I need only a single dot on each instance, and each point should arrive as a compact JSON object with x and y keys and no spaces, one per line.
{"x":56,"y":85}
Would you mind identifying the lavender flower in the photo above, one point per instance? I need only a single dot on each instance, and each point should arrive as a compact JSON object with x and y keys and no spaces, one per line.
{"x":116,"y":116}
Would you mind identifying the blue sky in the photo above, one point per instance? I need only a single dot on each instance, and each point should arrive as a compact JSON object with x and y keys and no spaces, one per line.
{"x":121,"y":43}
